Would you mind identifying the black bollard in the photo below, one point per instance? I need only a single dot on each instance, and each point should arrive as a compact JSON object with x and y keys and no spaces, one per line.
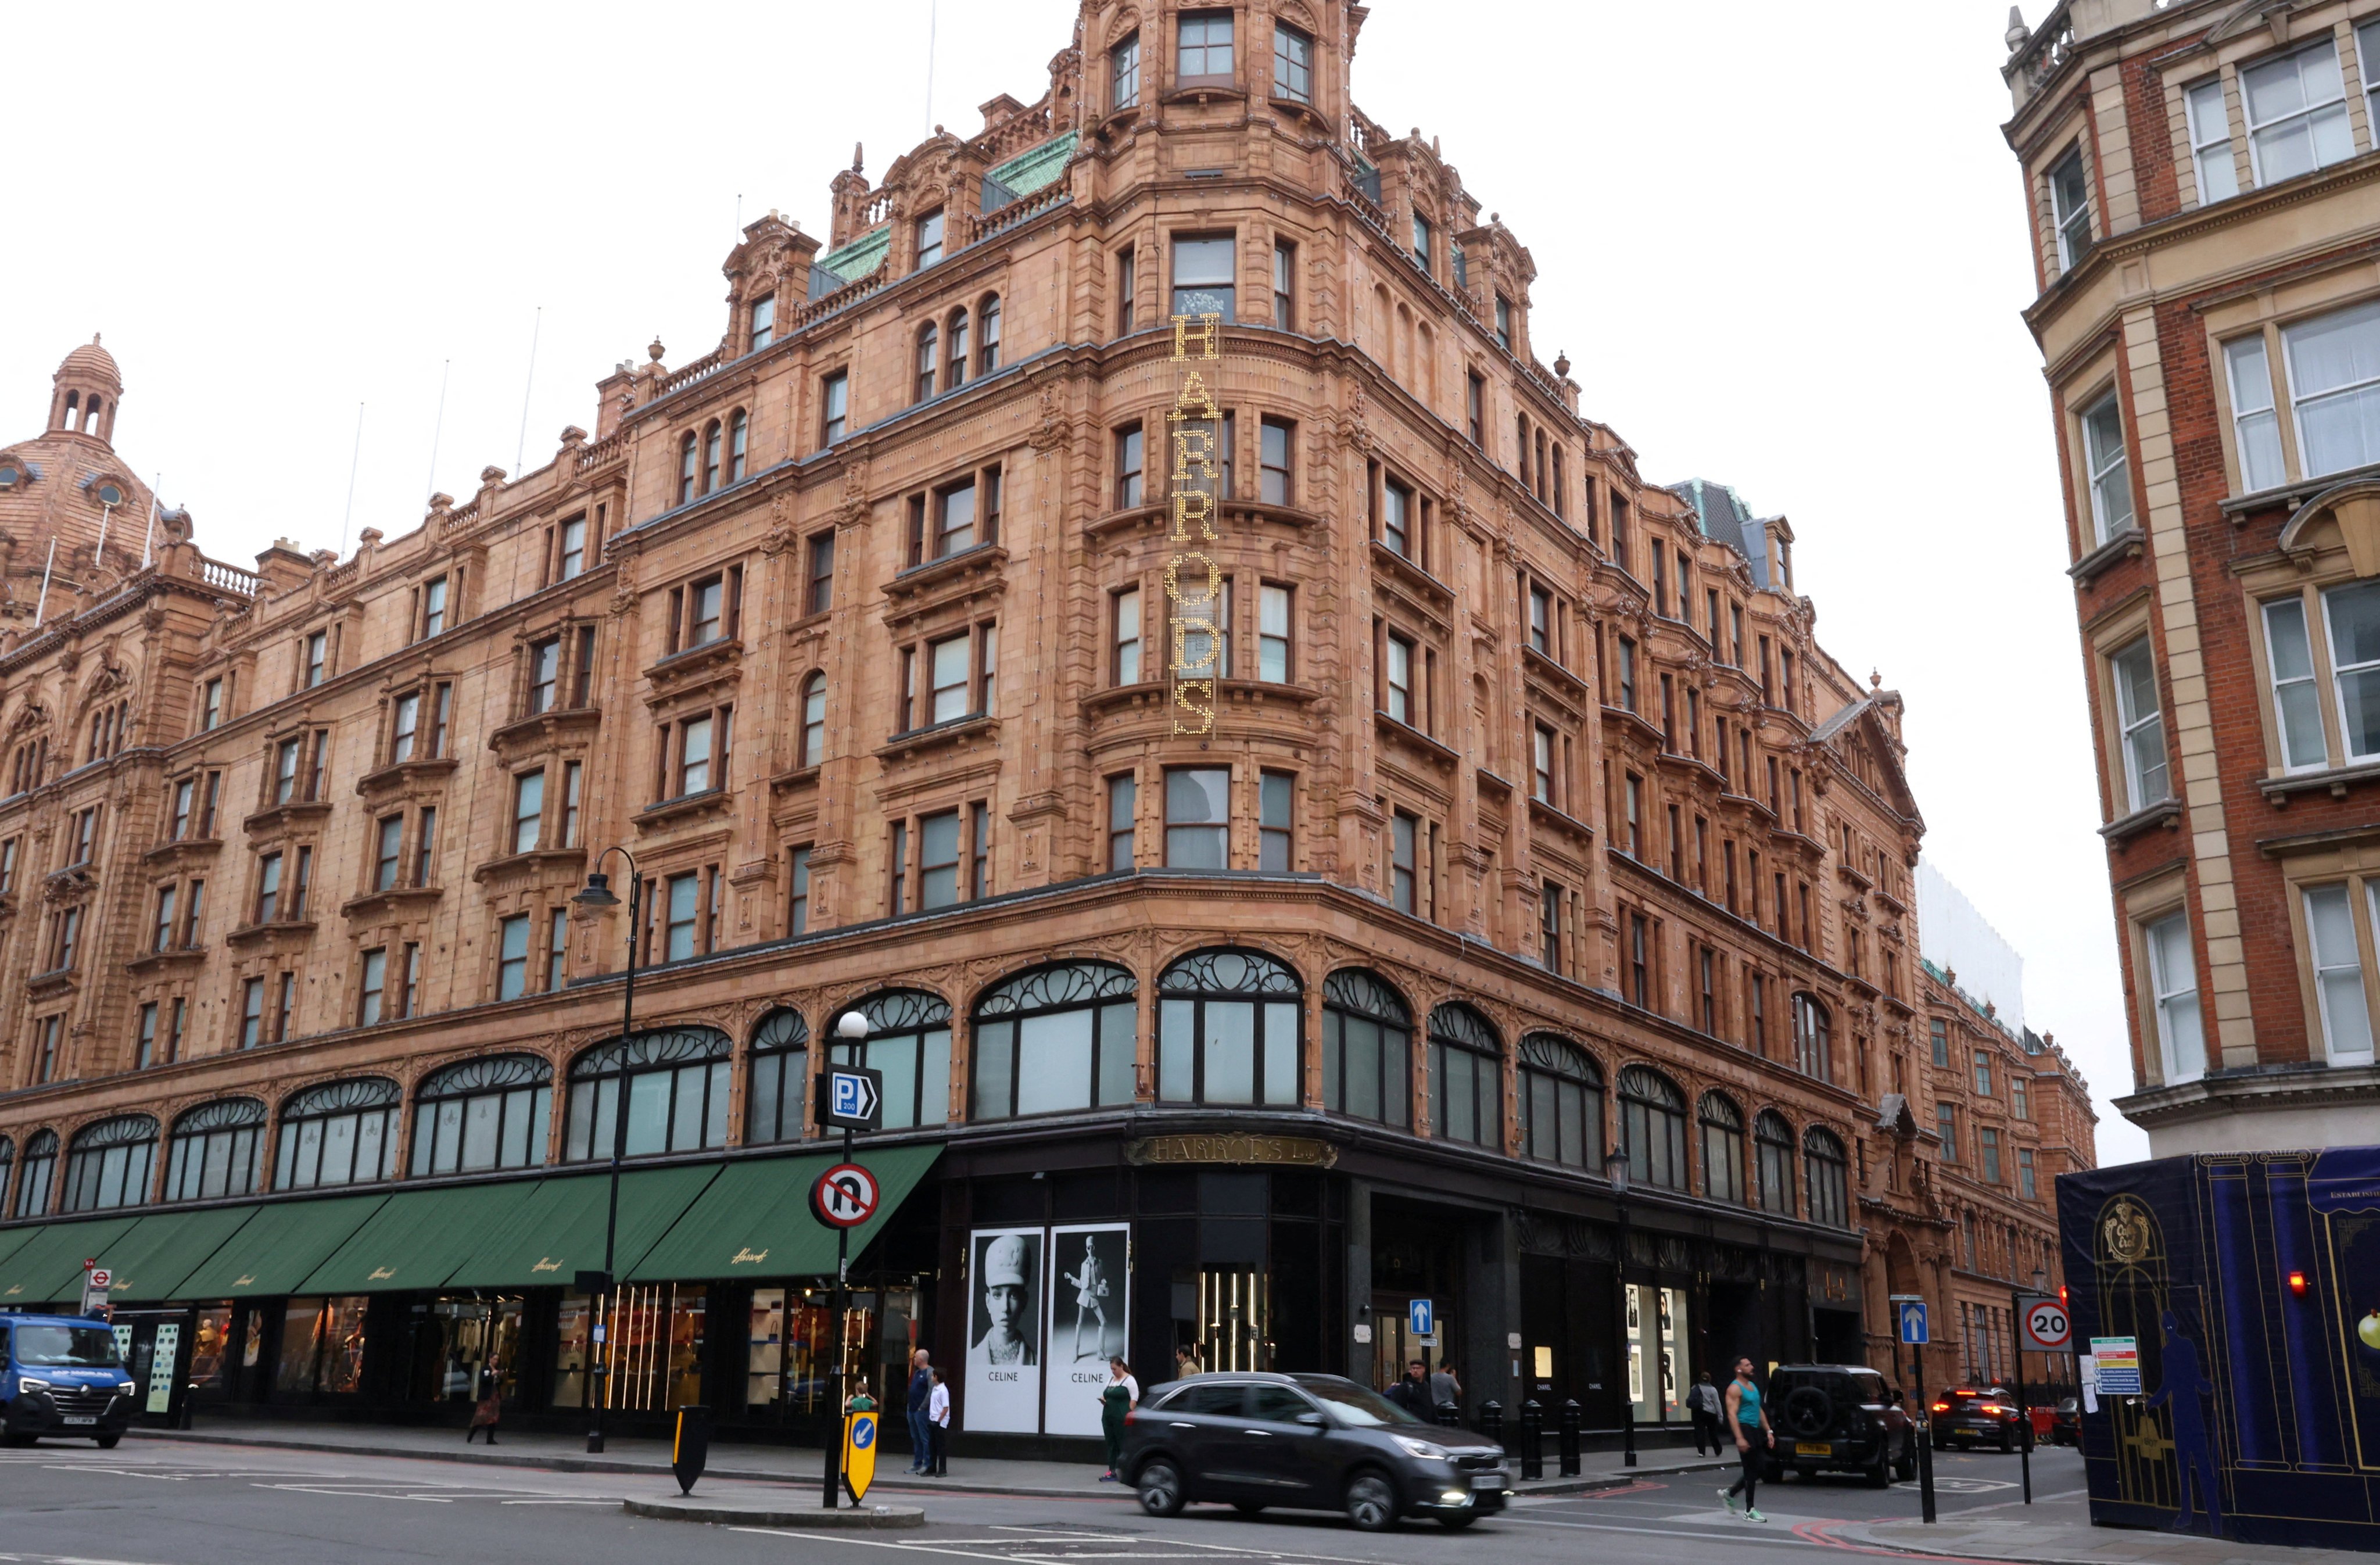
{"x":1568,"y":1414}
{"x":690,"y":1446}
{"x":1491,"y":1421}
{"x":1533,"y":1430}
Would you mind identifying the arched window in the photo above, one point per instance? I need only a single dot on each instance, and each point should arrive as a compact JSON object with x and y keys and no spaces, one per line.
{"x":687,"y":470}
{"x":108,"y":1164}
{"x":1367,"y":1050}
{"x":40,"y":1164}
{"x":91,"y":416}
{"x":813,"y":719}
{"x":488,"y":1113}
{"x":73,"y":410}
{"x":711,"y":457}
{"x":217,"y":1151}
{"x":987,"y":332}
{"x":1467,"y":1077}
{"x":1722,"y":1124}
{"x":955,"y":374}
{"x":1228,"y":1030}
{"x":1772,"y":1141}
{"x":1562,"y":1102}
{"x":780,"y":1069}
{"x":8,"y":1163}
{"x":1653,"y":1127}
{"x":340,"y":1132}
{"x":927,"y":344}
{"x":1813,"y":1037}
{"x":740,"y":431}
{"x":1056,"y":1038}
{"x":910,"y":1040}
{"x":1829,"y":1188}
{"x":678,"y":1094}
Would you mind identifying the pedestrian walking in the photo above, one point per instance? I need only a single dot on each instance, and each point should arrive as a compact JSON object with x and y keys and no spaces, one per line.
{"x":1411,"y":1393}
{"x":1185,"y":1362}
{"x":1705,"y":1403}
{"x":1445,"y":1393}
{"x":938,"y":1426}
{"x":1747,"y":1419}
{"x":490,"y":1406}
{"x":921,"y":1393}
{"x":1118,"y":1397}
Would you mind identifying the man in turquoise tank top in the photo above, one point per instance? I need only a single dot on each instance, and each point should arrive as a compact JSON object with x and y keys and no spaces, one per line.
{"x":1749,"y":1420}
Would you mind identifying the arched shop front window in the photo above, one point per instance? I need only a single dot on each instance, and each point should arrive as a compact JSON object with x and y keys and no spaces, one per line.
{"x":483,"y":1115}
{"x":678,"y":1094}
{"x":1228,"y":1030}
{"x":7,"y":1164}
{"x":1562,"y":1102}
{"x":1367,"y":1050}
{"x":341,"y":1133}
{"x":781,"y":1070}
{"x":217,"y":1149}
{"x":1829,"y":1185}
{"x":1467,"y":1077}
{"x":1653,"y":1127}
{"x":1772,"y":1141}
{"x":1722,"y":1124}
{"x":40,"y":1164}
{"x":108,"y":1164}
{"x":1056,"y":1038}
{"x":910,"y":1040}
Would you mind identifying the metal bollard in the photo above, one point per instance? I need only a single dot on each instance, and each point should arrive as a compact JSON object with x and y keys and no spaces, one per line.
{"x":1449,"y":1416}
{"x":1568,"y":1416}
{"x":1533,"y":1430}
{"x":1491,"y":1421}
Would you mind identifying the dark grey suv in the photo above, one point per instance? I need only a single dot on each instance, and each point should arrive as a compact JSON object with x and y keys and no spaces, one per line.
{"x":1313,"y":1442}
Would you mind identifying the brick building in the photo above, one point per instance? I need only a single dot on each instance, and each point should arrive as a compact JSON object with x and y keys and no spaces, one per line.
{"x":1530,"y":828}
{"x":2199,"y":179}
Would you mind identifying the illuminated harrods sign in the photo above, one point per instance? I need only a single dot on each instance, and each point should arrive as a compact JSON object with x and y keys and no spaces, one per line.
{"x":1194,"y":582}
{"x":1289,"y":1150}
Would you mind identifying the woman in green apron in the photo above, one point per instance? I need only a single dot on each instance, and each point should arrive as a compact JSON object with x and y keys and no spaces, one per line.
{"x":1118,"y":1397}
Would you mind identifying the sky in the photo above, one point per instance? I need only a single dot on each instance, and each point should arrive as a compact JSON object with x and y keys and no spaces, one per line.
{"x":1783,"y":248}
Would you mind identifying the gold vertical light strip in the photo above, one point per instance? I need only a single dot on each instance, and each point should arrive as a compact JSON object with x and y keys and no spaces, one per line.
{"x":1194,"y":582}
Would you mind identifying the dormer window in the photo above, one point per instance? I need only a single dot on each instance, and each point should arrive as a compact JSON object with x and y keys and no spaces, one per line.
{"x":1205,"y":56}
{"x":1292,"y":64}
{"x":11,"y":476}
{"x":764,"y":322}
{"x":1124,"y":73}
{"x":929,"y":238}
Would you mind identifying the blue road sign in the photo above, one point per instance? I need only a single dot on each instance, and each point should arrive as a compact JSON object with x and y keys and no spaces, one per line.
{"x":1913,"y":1322}
{"x":1421,"y":1318}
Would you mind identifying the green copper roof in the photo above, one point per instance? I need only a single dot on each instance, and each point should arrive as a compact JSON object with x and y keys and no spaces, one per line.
{"x":861,"y":257}
{"x":1030,"y":170}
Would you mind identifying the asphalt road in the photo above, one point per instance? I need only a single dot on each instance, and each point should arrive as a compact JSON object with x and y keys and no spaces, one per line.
{"x":160,"y":1502}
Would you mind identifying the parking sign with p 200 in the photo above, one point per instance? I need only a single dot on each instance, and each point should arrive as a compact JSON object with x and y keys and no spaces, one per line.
{"x":850,"y":1098}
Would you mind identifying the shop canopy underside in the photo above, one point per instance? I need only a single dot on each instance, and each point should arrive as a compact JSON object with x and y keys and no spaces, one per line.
{"x":750,"y":1218}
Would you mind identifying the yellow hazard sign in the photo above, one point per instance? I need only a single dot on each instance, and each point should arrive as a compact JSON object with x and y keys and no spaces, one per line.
{"x":858,"y":1454}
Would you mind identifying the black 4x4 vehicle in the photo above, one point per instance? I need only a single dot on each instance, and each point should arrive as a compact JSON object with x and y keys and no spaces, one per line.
{"x":1838,"y":1418}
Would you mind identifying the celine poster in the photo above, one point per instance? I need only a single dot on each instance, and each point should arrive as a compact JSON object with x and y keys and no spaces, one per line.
{"x":1003,"y":1361}
{"x":1090,"y":1305}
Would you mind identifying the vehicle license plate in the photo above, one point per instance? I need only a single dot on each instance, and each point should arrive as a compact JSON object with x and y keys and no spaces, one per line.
{"x":1812,"y":1448}
{"x":1487,"y":1480}
{"x":81,"y":1418}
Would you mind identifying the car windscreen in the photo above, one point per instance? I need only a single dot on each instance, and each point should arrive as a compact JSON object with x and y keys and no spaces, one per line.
{"x":67,"y":1347}
{"x":1356,"y":1406}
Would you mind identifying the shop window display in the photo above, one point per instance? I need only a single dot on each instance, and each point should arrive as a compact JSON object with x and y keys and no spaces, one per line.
{"x":652,"y":1350}
{"x":322,"y":1346}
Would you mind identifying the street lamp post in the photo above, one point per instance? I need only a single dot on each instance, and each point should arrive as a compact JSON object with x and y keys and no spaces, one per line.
{"x":850,"y":1029}
{"x":598,"y":894}
{"x":1615,"y":1169}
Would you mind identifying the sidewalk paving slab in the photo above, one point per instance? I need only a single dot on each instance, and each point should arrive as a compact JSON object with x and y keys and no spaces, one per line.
{"x":735,"y":1507}
{"x":2005,"y":1535}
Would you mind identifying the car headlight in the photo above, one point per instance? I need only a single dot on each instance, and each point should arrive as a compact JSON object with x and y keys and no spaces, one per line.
{"x":124,"y":1388}
{"x":1427,"y":1451}
{"x":27,"y":1383}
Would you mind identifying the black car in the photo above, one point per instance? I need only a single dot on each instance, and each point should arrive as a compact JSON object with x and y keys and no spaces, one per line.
{"x":1838,"y":1418}
{"x":1970,"y":1416}
{"x":1311,"y":1442}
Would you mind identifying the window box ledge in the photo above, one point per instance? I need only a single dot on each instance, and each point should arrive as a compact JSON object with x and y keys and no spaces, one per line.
{"x":1444,"y":756}
{"x":538,"y":863}
{"x":1409,"y":573}
{"x":405,"y":779}
{"x":669,"y":812}
{"x":49,"y":985}
{"x":1198,"y":89}
{"x":390,"y":901}
{"x":1809,"y":846}
{"x":678,"y":670}
{"x":796,"y":777}
{"x":2333,"y":780}
{"x":932,"y":573}
{"x":1693,"y":766}
{"x":269,"y":934}
{"x":1636,"y":722}
{"x":281,"y":818}
{"x":188,"y":850}
{"x":2129,"y":544}
{"x":2165,"y":812}
{"x":917,"y":741}
{"x":955,"y":578}
{"x":1559,"y":822}
{"x":1127,"y":698}
{"x":153,"y":962}
{"x":530,"y":734}
{"x":1559,"y":681}
{"x":71,"y":884}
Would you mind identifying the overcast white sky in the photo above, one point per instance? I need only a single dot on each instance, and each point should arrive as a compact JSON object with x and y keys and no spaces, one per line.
{"x":1781,"y":244}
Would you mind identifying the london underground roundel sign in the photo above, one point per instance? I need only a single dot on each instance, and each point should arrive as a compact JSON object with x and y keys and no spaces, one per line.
{"x":845,"y":1196}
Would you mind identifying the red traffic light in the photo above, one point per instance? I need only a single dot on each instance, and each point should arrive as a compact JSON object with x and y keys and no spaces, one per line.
{"x":2061,"y":1296}
{"x":2298,"y":1284}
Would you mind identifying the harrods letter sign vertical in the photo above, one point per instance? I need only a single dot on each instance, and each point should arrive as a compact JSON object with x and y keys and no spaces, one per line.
{"x":1194,"y":582}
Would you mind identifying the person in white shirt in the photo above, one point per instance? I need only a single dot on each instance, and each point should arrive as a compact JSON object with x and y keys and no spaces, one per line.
{"x":937,"y":1420}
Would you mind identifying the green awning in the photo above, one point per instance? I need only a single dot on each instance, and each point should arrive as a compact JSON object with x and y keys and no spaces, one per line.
{"x":755,"y":1221}
{"x":557,"y":1232}
{"x":417,"y":1239}
{"x":48,"y":1268}
{"x":149,"y":1262}
{"x":15,"y":1239}
{"x":278,"y":1248}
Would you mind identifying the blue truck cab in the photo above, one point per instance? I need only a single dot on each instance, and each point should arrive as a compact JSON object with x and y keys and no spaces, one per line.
{"x":61,"y":1375}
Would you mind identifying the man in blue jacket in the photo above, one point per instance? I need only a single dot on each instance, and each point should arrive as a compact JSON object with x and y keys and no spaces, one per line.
{"x":921,"y":1394}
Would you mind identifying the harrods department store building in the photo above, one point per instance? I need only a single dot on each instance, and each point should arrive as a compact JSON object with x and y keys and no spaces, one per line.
{"x":1532,"y":825}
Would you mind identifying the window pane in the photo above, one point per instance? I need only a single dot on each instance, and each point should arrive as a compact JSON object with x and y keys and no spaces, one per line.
{"x":994,"y":1046}
{"x":1177,"y":1035}
{"x":950,"y":676}
{"x":2338,"y":972}
{"x":2255,"y":428}
{"x":2210,"y":137}
{"x":2334,"y":373}
{"x":1119,"y":1035}
{"x":1053,"y":1063}
{"x":1231,"y":1052}
{"x":2297,"y":707}
{"x":648,"y":1107}
{"x":1280,"y":1055}
{"x":1462,"y":1103}
{"x":2354,"y":615}
{"x":1197,"y":809}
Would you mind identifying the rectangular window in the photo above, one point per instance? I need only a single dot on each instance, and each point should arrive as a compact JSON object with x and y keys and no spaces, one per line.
{"x":2111,"y":473}
{"x":284,"y":772}
{"x":144,"y":1051}
{"x":1205,"y":56}
{"x":191,"y":915}
{"x":1125,"y":628}
{"x":2173,"y":980}
{"x":1128,"y":465}
{"x":1760,"y":1014}
{"x":183,"y":797}
{"x":317,"y":782}
{"x":898,"y":901}
{"x":681,"y":915}
{"x":978,"y":850}
{"x":1549,"y":926}
{"x":1423,"y":234}
{"x":1125,"y":271}
{"x":1124,"y":73}
{"x":1627,"y":675}
{"x":1640,"y":962}
{"x":557,"y":946}
{"x":2026,"y":1182}
{"x":251,"y":1014}
{"x":1946,"y":1125}
{"x":1405,"y":834}
{"x":1275,"y":834}
{"x":1631,"y":820}
{"x":693,"y":757}
{"x":1292,"y":64}
{"x":2339,"y":976}
{"x":425,"y":845}
{"x":1709,"y":961}
{"x":1284,"y":286}
{"x":821,"y":595}
{"x":798,"y":911}
{"x":1204,"y":275}
{"x":764,"y":322}
{"x":433,"y":607}
{"x":1399,"y":704}
{"x":404,"y":729}
{"x":1397,"y":518}
{"x":1273,"y":461}
{"x":162,"y":930}
{"x":946,"y":662}
{"x":573,"y":783}
{"x":1982,"y":1073}
{"x":210,"y":705}
{"x":1541,"y":615}
{"x":2255,"y":427}
{"x":1475,"y":407}
{"x":318,"y":652}
{"x":545,"y":673}
{"x":297,"y":908}
{"x":442,"y":716}
{"x":938,"y":859}
{"x":1504,"y":323}
{"x":1198,"y":818}
{"x":372,"y":991}
{"x":2069,"y":196}
{"x":512,"y":958}
{"x":2334,"y":368}
{"x":834,"y":405}
{"x":268,"y":888}
{"x":1541,"y":763}
{"x":572,"y":558}
{"x":929,"y":238}
{"x":1273,"y":605}
{"x":954,"y":519}
{"x":2296,"y":113}
{"x":2141,"y":725}
{"x":1940,"y":1031}
{"x":528,"y":811}
{"x":1989,"y":1139}
{"x":1122,"y":804}
{"x":2018,"y":1105}
{"x":2210,"y":142}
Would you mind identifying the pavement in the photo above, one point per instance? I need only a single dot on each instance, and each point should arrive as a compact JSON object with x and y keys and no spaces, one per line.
{"x":767,"y":1463}
{"x":2057,"y":1530}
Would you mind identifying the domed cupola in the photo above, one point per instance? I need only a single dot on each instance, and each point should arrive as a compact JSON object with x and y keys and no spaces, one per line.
{"x":85,"y":391}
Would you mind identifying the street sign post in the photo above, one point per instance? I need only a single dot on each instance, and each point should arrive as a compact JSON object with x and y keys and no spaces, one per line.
{"x":1916,"y":1331}
{"x":95,"y":1283}
{"x":1421,"y":1318}
{"x":845,"y":1196}
{"x":859,"y":1454}
{"x":2044,"y":1323}
{"x":851,"y":1098}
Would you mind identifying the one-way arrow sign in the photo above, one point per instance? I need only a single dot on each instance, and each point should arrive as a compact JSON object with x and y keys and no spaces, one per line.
{"x":850,"y":1098}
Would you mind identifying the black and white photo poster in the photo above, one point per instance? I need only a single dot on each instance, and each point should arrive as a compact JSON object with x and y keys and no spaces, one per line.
{"x":1004,"y":1361}
{"x":1090,"y":1305}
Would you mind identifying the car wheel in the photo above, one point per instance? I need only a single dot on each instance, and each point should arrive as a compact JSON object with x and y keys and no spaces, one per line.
{"x":106,"y":1442}
{"x":1371,"y":1502}
{"x":2008,"y":1442}
{"x":1249,"y":1507}
{"x":1906,"y":1469}
{"x":1878,"y":1473}
{"x":1456,"y":1524}
{"x":1161,"y":1488}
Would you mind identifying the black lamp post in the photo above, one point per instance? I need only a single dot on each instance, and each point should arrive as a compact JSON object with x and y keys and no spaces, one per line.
{"x":1615,"y":1169}
{"x":598,"y":894}
{"x":851,"y":1031}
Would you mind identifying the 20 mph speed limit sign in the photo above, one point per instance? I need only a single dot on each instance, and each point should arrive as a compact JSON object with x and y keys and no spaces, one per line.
{"x":2048,"y":1328}
{"x":845,"y":1196}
